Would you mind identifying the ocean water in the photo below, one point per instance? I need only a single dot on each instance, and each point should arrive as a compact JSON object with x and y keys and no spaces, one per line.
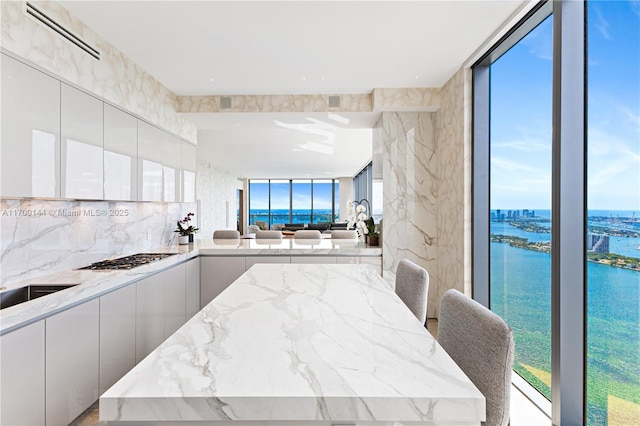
{"x":298,"y":216}
{"x":521,"y":293}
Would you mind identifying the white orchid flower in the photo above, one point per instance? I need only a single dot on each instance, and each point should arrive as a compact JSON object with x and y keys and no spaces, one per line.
{"x":362,"y":216}
{"x":361,"y":209}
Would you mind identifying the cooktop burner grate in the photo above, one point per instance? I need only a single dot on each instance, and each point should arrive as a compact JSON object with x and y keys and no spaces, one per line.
{"x":127,"y":262}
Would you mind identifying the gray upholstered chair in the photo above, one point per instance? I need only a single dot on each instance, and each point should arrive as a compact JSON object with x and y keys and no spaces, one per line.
{"x":412,"y":285}
{"x":481,"y":343}
{"x":307,"y":235}
{"x":252,"y":229}
{"x":344,"y":235}
{"x":226,"y":234}
{"x":268,"y":235}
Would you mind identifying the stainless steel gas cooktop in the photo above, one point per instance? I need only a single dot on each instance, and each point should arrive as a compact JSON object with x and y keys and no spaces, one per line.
{"x":127,"y":262}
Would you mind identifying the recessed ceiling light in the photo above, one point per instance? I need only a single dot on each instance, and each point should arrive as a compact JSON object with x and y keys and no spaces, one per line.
{"x":417,"y":77}
{"x":304,"y":78}
{"x":322,"y":78}
{"x":211,"y":79}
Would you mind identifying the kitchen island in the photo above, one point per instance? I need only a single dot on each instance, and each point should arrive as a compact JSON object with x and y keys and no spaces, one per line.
{"x":298,"y":345}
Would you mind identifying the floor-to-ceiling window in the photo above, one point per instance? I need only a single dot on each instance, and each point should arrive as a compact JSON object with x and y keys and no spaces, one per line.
{"x":322,"y":201}
{"x":281,"y":201}
{"x":280,"y":194}
{"x":259,"y":202}
{"x":557,"y":119}
{"x":301,"y":201}
{"x":520,"y":203}
{"x":613,"y":215}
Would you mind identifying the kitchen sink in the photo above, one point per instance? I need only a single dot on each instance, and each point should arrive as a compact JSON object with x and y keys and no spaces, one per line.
{"x":30,"y":292}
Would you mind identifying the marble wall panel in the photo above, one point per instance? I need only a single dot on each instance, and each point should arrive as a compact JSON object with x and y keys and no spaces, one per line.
{"x":407,"y":99}
{"x":409,"y":191}
{"x":40,"y":237}
{"x":217,"y":190}
{"x":453,"y":142}
{"x":114,"y":77}
{"x":274,"y":103}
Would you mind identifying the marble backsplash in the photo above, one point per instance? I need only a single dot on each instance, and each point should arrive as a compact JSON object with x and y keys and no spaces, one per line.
{"x":40,"y":237}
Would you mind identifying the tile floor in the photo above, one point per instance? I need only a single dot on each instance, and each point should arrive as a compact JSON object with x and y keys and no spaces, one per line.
{"x":523,"y":411}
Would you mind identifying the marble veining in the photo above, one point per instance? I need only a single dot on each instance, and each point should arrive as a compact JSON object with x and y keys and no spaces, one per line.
{"x":91,"y":284}
{"x":407,"y":99}
{"x":275,"y":103}
{"x":404,"y":145}
{"x":298,"y":343}
{"x":453,"y":141}
{"x":216,"y":192}
{"x":38,"y":237}
{"x":115,"y":77}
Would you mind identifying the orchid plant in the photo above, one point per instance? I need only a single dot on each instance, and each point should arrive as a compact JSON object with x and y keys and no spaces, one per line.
{"x":356,"y":215}
{"x":184,"y":228}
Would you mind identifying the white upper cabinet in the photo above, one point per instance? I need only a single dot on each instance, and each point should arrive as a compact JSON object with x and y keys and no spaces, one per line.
{"x":30,"y":148}
{"x":171,"y":166}
{"x":150,"y":155}
{"x":81,"y":124}
{"x":120,"y":155}
{"x":188,"y":160}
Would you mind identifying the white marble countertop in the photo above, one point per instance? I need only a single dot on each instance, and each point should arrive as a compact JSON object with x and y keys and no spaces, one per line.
{"x":90,"y":284}
{"x":300,"y":343}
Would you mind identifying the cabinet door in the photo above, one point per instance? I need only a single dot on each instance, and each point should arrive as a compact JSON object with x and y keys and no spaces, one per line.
{"x":150,"y":155}
{"x":188,"y":156}
{"x":117,"y":335}
{"x":174,"y":298}
{"x":216,"y":273}
{"x":252,"y":260}
{"x":356,"y":260}
{"x":22,"y":376}
{"x":192,"y":297}
{"x":120,"y":155}
{"x":30,"y":132}
{"x":314,"y":259}
{"x":171,"y":167}
{"x":149,"y":315}
{"x":71,"y":362}
{"x":81,"y":127}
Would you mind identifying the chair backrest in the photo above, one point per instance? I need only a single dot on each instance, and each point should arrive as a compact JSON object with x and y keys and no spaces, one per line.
{"x":226,"y":234}
{"x":412,"y":285}
{"x":294,"y":226}
{"x":252,"y":229}
{"x":344,"y":235}
{"x":481,"y":343}
{"x":307,"y":235}
{"x":268,"y":235}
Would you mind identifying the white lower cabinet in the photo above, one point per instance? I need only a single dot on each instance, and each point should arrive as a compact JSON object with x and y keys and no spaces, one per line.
{"x":252,"y":260}
{"x":174,"y":299}
{"x":356,"y":260}
{"x":22,"y":376}
{"x":117,"y":335}
{"x":149,"y":315}
{"x":216,"y":273}
{"x":314,"y":259}
{"x":192,"y":292}
{"x":71,"y":368}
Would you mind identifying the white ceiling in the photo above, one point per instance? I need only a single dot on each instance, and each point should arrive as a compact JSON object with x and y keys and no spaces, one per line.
{"x":292,"y":47}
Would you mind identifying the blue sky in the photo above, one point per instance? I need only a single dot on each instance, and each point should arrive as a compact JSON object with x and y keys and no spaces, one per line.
{"x":521,"y":114}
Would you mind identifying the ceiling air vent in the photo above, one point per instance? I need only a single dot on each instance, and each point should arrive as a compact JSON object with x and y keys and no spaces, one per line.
{"x":225,"y":102}
{"x":45,"y":20}
{"x":334,"y":101}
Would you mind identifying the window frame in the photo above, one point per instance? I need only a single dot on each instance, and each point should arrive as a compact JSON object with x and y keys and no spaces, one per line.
{"x":569,"y":209}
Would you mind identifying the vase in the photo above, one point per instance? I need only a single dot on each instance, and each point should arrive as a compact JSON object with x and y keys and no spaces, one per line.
{"x":373,"y":241}
{"x":190,"y":238}
{"x":183,"y":239}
